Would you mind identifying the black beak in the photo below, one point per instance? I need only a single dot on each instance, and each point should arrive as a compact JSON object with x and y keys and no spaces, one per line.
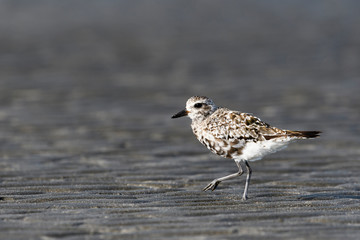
{"x":180,"y":114}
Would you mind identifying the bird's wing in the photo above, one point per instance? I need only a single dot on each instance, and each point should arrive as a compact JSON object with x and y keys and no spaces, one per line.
{"x":226,"y":124}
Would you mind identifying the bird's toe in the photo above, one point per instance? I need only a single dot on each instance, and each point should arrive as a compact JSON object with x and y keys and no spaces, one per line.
{"x":212,"y":186}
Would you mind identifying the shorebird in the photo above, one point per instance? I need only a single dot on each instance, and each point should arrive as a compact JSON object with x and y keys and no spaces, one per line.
{"x":236,"y":135}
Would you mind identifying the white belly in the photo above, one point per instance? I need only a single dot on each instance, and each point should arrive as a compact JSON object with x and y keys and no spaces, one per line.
{"x":257,"y":150}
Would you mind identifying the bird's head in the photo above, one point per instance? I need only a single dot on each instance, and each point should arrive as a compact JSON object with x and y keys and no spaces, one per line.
{"x":197,"y":108}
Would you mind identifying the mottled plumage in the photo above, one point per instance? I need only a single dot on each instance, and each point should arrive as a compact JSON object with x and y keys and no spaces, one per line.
{"x":237,"y":135}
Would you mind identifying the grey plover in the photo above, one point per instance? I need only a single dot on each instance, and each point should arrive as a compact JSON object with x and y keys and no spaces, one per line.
{"x":236,"y":135}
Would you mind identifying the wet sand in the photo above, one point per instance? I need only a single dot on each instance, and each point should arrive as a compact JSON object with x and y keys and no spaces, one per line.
{"x":89,"y":151}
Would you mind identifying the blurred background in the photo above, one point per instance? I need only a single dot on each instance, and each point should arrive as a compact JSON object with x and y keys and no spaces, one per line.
{"x":121,"y":60}
{"x":87,"y":88}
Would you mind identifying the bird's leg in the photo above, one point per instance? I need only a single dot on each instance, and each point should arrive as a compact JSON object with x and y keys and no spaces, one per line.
{"x":247,"y":180}
{"x":216,"y":181}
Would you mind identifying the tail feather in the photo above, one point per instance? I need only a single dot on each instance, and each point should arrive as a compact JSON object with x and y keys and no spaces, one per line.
{"x":304,"y":134}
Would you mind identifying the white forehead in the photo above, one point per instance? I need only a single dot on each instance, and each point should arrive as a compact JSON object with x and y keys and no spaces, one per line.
{"x":198,"y":99}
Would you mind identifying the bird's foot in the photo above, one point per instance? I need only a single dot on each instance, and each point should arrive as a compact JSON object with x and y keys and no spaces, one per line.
{"x":212,"y":185}
{"x":244,"y":198}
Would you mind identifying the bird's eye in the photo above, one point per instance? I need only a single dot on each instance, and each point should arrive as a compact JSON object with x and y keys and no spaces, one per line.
{"x":198,"y":105}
